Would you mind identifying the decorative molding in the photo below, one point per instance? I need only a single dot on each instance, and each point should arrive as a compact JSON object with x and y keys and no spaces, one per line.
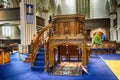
{"x":96,"y":23}
{"x":66,"y":27}
{"x":118,"y":28}
{"x":69,"y":17}
{"x":112,"y":13}
{"x":45,"y":10}
{"x":118,"y":5}
{"x":40,"y":21}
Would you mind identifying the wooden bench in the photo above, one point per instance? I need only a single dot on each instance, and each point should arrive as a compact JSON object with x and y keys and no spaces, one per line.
{"x":4,"y":56}
{"x":108,"y":47}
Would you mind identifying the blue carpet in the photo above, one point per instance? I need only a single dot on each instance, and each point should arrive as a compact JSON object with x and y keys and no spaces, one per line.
{"x":39,"y":63}
{"x":15,"y":57}
{"x":110,"y":56}
{"x":18,"y":70}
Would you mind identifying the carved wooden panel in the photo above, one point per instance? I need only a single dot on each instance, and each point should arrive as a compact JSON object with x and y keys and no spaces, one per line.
{"x":61,"y":29}
{"x":72,"y":27}
{"x":68,"y":24}
{"x":66,"y":27}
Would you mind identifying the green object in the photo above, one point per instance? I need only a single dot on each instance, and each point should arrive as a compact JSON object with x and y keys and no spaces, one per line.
{"x":97,"y":40}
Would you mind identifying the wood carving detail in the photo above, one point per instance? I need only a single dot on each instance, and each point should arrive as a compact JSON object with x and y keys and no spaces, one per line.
{"x":67,"y":30}
{"x":66,"y":27}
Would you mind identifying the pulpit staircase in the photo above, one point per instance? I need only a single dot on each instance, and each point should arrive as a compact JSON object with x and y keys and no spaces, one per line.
{"x":37,"y":52}
{"x":64,"y":30}
{"x":39,"y":63}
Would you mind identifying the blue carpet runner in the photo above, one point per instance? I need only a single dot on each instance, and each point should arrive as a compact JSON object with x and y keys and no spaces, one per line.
{"x":39,"y":62}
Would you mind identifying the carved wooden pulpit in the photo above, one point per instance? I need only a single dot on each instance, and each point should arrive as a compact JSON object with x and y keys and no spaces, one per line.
{"x":67,"y":30}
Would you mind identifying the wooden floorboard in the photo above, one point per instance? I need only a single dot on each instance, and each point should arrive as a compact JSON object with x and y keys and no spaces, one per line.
{"x":114,"y":65}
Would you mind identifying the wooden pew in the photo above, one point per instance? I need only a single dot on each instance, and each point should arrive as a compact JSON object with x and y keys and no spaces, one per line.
{"x":108,"y":47}
{"x":112,"y":47}
{"x":4,"y":56}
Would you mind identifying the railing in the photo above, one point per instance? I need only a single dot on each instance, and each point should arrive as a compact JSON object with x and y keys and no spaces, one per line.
{"x":46,"y":53}
{"x":38,"y":41}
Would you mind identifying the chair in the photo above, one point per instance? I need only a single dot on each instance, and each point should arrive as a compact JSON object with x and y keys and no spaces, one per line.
{"x":73,"y":52}
{"x":112,"y":49}
{"x":105,"y":48}
{"x":63,"y":52}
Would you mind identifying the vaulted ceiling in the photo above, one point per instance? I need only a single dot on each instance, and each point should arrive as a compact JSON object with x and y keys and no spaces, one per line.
{"x":111,"y":5}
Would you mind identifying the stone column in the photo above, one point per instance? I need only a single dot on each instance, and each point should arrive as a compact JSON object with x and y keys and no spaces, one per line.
{"x":118,"y":23}
{"x":45,"y":14}
{"x":111,"y":31}
{"x":112,"y":27}
{"x":45,"y":11}
{"x":118,"y":30}
{"x":27,"y":23}
{"x":115,"y":34}
{"x":1,"y":5}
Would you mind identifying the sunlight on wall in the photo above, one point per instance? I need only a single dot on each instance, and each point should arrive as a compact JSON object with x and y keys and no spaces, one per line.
{"x":6,"y":31}
{"x":68,"y":6}
{"x":97,"y":8}
{"x":69,"y":2}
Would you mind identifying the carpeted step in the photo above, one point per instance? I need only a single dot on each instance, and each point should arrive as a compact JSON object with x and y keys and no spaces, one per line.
{"x":40,"y":54}
{"x":42,"y":46}
{"x":41,"y":50}
{"x":39,"y":63}
{"x":29,"y":54}
{"x":28,"y":58}
{"x":29,"y":61}
{"x":40,"y":59}
{"x":38,"y":68}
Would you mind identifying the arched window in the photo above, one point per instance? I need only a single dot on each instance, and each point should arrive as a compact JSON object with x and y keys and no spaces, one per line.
{"x":6,"y":31}
{"x":5,"y":3}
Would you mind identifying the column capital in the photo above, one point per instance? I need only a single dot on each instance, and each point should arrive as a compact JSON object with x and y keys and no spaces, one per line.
{"x":45,"y":10}
{"x":118,"y":28}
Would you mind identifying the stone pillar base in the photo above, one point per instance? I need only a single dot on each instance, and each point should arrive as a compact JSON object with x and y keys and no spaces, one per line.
{"x":23,"y":48}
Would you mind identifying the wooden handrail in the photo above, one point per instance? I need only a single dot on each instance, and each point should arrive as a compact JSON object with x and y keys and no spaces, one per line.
{"x":37,"y":42}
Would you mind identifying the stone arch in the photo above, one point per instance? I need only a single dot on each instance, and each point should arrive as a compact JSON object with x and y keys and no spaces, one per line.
{"x":111,"y":5}
{"x":59,"y":10}
{"x":100,"y":31}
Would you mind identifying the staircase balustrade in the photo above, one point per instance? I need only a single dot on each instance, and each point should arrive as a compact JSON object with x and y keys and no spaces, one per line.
{"x":37,"y":42}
